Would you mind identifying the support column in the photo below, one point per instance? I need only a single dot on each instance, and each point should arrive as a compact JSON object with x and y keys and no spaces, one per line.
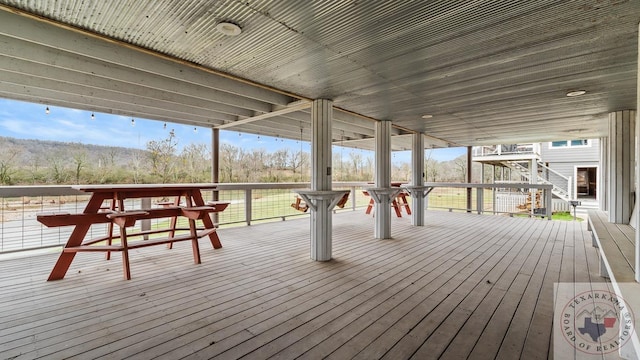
{"x":469,"y":178}
{"x":621,"y":165}
{"x":493,"y":190}
{"x":603,"y":173}
{"x":637,"y":172}
{"x":533,"y":179}
{"x":321,"y":224}
{"x":383,"y":179}
{"x":417,"y":179}
{"x":215,"y":169}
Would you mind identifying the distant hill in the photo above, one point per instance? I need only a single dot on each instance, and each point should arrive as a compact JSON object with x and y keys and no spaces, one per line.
{"x":29,"y":150}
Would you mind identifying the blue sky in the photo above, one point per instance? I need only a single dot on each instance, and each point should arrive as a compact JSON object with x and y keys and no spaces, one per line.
{"x":29,"y":121}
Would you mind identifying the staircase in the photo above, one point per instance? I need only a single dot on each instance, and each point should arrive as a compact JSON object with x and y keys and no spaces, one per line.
{"x":561,"y":183}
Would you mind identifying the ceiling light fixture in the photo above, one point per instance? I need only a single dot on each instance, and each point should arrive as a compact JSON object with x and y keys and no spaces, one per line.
{"x":228,"y":28}
{"x":133,"y":122}
{"x":574,"y":93}
{"x":427,"y":116}
{"x":46,"y":111}
{"x":93,"y":117}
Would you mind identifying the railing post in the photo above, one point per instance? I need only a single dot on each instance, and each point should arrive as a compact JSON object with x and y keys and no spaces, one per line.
{"x":145,"y":224}
{"x":215,"y":218}
{"x":247,"y":206}
{"x":493,"y":193}
{"x":480,"y":199}
{"x":570,"y":187}
{"x":548,"y":194}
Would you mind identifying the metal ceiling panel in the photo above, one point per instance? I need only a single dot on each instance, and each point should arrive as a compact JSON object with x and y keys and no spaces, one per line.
{"x":489,"y":71}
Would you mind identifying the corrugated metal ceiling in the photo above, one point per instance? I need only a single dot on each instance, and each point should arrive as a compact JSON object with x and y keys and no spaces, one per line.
{"x":488,"y":71}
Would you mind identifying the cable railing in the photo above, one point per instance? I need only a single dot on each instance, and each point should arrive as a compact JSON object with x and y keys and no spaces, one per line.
{"x":249,"y":203}
{"x":518,"y":199}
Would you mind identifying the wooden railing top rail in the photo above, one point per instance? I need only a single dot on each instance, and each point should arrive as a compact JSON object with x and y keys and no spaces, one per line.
{"x":490,"y":186}
{"x":62,"y":190}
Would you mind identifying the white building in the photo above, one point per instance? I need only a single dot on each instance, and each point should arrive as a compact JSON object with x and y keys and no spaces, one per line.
{"x":571,"y":166}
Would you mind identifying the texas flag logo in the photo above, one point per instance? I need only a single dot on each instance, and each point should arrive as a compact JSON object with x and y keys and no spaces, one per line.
{"x":596,"y":330}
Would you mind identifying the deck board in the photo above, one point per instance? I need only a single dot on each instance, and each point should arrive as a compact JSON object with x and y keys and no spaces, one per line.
{"x":463,"y":286}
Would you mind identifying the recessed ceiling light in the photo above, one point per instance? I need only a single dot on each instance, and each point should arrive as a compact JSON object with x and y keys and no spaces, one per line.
{"x":228,"y":28}
{"x":427,"y":116}
{"x":572,"y":93}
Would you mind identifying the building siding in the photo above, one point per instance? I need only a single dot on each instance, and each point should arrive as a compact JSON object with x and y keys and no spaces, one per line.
{"x":565,"y":160}
{"x":579,"y":154}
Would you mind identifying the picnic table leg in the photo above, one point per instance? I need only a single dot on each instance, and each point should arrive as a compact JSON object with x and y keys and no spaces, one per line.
{"x":194,"y":241}
{"x":369,"y":207}
{"x":65,"y":259}
{"x":396,"y":207}
{"x":196,"y":195}
{"x":75,"y":239}
{"x":125,"y":254}
{"x":112,"y":207}
{"x":192,"y":228}
{"x":402,"y":199}
{"x":174,"y":223}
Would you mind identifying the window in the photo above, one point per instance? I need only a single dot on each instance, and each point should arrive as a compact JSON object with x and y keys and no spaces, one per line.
{"x":569,"y":143}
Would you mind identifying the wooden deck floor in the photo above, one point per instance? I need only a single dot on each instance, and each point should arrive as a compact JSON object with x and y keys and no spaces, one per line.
{"x":463,"y":286}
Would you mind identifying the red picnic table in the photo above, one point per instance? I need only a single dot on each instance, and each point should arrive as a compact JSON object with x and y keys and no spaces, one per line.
{"x":399,"y":202}
{"x":95,"y":212}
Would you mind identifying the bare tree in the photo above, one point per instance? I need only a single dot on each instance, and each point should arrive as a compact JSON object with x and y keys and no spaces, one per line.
{"x":163,"y":155}
{"x":432,"y":167}
{"x":295,"y":161}
{"x":58,"y":168}
{"x":136,"y":164}
{"x":195,"y":159}
{"x":280,"y":159}
{"x":79,"y":162}
{"x":356,"y":165}
{"x":228,"y":161}
{"x":8,"y":158}
{"x":461,"y":166}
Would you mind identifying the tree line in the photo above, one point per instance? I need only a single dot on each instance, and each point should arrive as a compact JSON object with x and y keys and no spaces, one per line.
{"x":36,"y":162}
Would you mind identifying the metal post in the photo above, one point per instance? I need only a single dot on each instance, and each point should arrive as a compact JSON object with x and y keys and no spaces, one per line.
{"x":533,"y":179}
{"x":637,"y":178}
{"x":247,"y":206}
{"x":383,"y":179}
{"x":215,"y":169}
{"x":469,"y":178}
{"x":621,"y":165}
{"x":548,"y":202}
{"x":145,"y":225}
{"x":417,"y":179}
{"x":321,"y":216}
{"x":493,"y":190}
